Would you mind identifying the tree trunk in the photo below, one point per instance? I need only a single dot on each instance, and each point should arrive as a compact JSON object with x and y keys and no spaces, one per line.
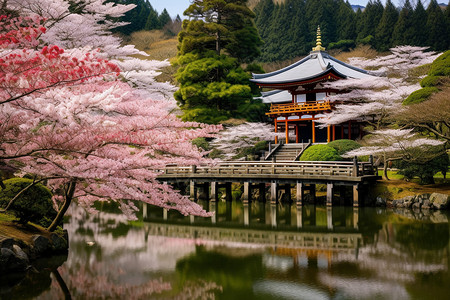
{"x":67,"y":200}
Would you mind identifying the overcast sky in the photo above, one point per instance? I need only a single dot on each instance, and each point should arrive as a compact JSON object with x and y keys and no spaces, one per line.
{"x":175,"y":7}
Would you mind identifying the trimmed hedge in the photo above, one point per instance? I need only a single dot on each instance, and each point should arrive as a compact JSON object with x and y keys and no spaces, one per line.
{"x":344,"y":146}
{"x":441,"y":66}
{"x":33,"y":205}
{"x":320,"y":153}
{"x":420,"y":95}
{"x":431,"y":81}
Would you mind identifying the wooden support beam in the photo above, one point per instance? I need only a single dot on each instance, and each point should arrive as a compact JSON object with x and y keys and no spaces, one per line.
{"x":144,"y":210}
{"x":165,"y":214}
{"x":299,"y":196}
{"x":214,"y":190}
{"x":330,"y":187}
{"x":192,"y":195}
{"x":213,"y":209}
{"x":246,"y":196}
{"x":328,"y":134}
{"x":276,"y":130}
{"x":287,"y":129}
{"x":356,"y":195}
{"x":334,"y":133}
{"x":356,"y":217}
{"x":297,"y":140}
{"x":330,"y":218}
{"x":299,"y":211}
{"x":246,"y":214}
{"x":273,"y":192}
{"x":313,"y":131}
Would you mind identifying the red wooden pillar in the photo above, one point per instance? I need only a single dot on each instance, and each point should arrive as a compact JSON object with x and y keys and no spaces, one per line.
{"x":334,"y":133}
{"x":296,"y":133}
{"x":328,"y":133}
{"x":287,"y":130}
{"x":276,"y":130}
{"x":313,"y":131}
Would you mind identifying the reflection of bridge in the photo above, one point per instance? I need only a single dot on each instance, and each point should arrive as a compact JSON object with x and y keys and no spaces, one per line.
{"x":327,"y":241}
{"x":256,"y":174}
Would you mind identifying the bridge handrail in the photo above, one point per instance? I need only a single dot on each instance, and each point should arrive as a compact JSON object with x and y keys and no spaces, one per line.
{"x":339,"y":168}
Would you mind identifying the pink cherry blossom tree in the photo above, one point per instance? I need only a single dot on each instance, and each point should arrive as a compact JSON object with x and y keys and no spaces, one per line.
{"x":73,"y":118}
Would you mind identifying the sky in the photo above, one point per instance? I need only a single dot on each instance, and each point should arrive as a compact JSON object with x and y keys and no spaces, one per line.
{"x":175,"y":7}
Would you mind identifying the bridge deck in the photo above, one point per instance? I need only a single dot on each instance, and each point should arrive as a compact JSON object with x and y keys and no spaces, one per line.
{"x":266,"y":171}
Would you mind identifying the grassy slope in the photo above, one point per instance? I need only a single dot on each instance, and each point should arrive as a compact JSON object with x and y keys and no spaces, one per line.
{"x":11,"y":229}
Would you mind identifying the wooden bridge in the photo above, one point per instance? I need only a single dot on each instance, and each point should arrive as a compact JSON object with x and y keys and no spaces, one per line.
{"x":304,"y":174}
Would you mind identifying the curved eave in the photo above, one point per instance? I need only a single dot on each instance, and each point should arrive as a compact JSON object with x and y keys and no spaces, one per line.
{"x":265,"y":75}
{"x":328,"y":74}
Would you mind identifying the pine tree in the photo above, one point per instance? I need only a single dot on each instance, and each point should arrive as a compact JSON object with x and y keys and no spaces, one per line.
{"x":264,"y":16}
{"x":383,"y":34}
{"x":404,"y":29}
{"x":371,"y":17}
{"x":212,"y":84}
{"x":436,"y":27}
{"x":322,"y":12}
{"x":345,"y":21}
{"x":152,"y":20}
{"x":419,"y":25}
{"x":164,"y":18}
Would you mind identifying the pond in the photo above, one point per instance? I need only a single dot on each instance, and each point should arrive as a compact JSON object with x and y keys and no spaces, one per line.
{"x":255,"y":251}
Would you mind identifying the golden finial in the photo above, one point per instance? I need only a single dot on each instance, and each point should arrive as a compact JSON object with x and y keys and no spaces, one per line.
{"x":318,"y":46}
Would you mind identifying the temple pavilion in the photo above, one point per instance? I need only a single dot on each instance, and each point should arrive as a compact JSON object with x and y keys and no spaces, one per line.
{"x":298,"y":97}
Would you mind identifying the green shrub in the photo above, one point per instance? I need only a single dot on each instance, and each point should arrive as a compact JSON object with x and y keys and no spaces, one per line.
{"x":344,"y":146}
{"x":424,"y":171}
{"x":368,"y":40}
{"x":253,"y":152}
{"x":344,"y":45}
{"x":431,"y":81}
{"x":33,"y":205}
{"x":420,"y":95}
{"x":441,"y":65}
{"x":201,"y":143}
{"x":320,"y":153}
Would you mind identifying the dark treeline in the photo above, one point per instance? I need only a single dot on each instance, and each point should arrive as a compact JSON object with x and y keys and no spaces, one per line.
{"x":145,"y":17}
{"x":289,"y":29}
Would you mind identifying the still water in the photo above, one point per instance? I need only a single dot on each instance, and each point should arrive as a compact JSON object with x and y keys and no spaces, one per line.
{"x":256,"y":251}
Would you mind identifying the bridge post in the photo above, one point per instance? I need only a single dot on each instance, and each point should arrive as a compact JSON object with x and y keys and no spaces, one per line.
{"x":273,"y":192}
{"x":213,"y":193}
{"x":165,"y":211}
{"x":213,"y":208}
{"x":330,"y":217}
{"x":144,"y":210}
{"x":246,"y":214}
{"x":355,"y":166}
{"x":356,"y":217}
{"x":356,"y":197}
{"x":330,"y":187}
{"x":228,"y":192}
{"x":273,"y":214}
{"x":299,"y":195}
{"x":299,"y":210}
{"x":247,"y":191}
{"x":192,"y":190}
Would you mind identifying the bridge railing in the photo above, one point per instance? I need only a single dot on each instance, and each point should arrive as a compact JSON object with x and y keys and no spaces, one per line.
{"x":314,"y":168}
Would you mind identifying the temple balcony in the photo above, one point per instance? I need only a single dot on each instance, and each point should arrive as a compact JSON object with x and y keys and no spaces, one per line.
{"x":300,"y":108}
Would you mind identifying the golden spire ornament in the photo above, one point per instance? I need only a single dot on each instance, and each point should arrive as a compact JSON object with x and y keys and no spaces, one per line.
{"x":318,"y":46}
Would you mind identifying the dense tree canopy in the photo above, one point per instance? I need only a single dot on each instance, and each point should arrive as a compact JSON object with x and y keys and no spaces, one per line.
{"x":287,"y":27}
{"x":217,"y":36}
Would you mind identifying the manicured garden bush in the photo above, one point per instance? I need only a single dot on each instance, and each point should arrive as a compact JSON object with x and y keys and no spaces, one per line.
{"x":441,"y":66}
{"x":33,"y":205}
{"x":420,"y":95}
{"x":320,"y":153}
{"x":425,"y":171}
{"x":431,"y":81}
{"x":344,"y":146}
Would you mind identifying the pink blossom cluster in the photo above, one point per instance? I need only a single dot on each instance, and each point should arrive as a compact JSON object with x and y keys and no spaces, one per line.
{"x":65,"y":115}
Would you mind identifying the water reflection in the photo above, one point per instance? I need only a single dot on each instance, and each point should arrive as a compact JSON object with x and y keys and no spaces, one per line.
{"x":255,"y":251}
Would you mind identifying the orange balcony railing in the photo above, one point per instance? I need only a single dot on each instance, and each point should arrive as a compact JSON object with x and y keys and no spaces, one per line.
{"x":301,"y":107}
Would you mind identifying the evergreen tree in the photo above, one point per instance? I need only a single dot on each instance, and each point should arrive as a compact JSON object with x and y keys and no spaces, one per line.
{"x":419,"y":25}
{"x":383,"y":34}
{"x":164,"y":18}
{"x":212,"y":84}
{"x":404,"y":29}
{"x":371,"y":17}
{"x":264,"y":17}
{"x":152,"y":20}
{"x":322,"y":12}
{"x":436,"y":27}
{"x":345,"y":21}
